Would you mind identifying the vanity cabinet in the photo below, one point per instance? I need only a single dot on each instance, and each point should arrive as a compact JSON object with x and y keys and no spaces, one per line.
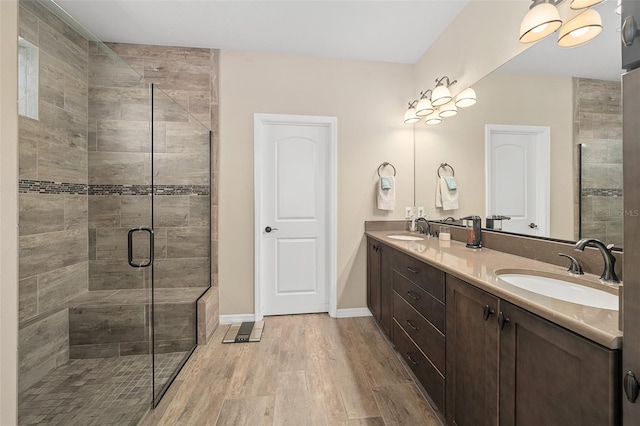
{"x":551,"y":376}
{"x":472,"y":355}
{"x":508,"y":366}
{"x":419,"y":322}
{"x":379,"y":284}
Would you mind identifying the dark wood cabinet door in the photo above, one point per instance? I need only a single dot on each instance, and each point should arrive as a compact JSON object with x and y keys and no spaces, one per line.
{"x":553,"y":377}
{"x":471,"y":355}
{"x":387,"y":255}
{"x":373,"y":277}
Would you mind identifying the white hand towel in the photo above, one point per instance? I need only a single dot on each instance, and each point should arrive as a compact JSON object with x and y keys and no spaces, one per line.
{"x":387,"y":197}
{"x":446,"y":198}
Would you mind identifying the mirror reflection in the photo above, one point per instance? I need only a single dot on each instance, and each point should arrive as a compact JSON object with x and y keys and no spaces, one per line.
{"x":569,"y":99}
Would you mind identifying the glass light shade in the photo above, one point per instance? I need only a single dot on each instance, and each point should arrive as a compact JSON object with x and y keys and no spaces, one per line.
{"x":433,"y":118}
{"x":449,"y":109}
{"x":466,"y":98}
{"x":581,"y":4}
{"x":410,"y":116}
{"x":539,"y":22}
{"x":440,"y":96}
{"x":580,"y":28}
{"x":424,"y":107}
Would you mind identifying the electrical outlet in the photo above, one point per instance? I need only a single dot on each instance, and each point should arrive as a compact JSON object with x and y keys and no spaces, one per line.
{"x":420,"y":211}
{"x":408,"y":212}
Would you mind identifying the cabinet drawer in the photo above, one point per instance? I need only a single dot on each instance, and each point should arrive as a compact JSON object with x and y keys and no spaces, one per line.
{"x":428,"y":375}
{"x":430,"y":279}
{"x":423,"y":333}
{"x":427,"y":305}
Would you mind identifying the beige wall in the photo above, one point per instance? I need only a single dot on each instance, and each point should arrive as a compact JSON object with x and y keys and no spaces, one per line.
{"x":9,"y":211}
{"x":368,"y":99}
{"x":266,"y":83}
{"x":481,"y":38}
{"x":514,"y":99}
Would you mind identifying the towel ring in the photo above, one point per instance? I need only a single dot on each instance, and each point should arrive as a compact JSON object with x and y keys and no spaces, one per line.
{"x":443,"y":165}
{"x":385,"y":164}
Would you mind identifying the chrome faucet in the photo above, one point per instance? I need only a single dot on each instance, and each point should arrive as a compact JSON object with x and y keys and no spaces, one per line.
{"x":427,"y":226}
{"x":609,"y":273}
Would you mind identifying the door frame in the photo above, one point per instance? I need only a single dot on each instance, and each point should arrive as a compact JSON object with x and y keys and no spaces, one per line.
{"x":543,"y":158}
{"x":332,"y":229}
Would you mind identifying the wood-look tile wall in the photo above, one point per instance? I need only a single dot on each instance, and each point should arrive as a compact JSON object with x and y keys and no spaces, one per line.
{"x":93,"y":132}
{"x":187,"y":76}
{"x":598,"y":126}
{"x":190,"y":77}
{"x":53,"y":223}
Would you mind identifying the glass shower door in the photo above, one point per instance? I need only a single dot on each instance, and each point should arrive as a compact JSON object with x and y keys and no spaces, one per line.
{"x":180,"y":170}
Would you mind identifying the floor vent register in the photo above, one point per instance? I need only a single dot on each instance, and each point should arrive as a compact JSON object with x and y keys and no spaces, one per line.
{"x":244,"y":332}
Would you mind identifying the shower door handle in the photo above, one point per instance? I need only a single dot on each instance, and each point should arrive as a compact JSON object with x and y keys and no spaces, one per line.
{"x":130,"y":247}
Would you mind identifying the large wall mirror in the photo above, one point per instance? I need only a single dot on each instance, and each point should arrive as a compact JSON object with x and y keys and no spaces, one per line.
{"x":574,"y":93}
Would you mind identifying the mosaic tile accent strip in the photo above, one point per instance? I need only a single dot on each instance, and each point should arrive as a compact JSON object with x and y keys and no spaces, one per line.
{"x":104,"y":391}
{"x":119,"y":189}
{"x":46,"y":187}
{"x":601,"y":192}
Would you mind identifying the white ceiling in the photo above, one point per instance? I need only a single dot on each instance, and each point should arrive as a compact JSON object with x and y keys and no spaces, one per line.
{"x":379,"y":30}
{"x":374,"y":30}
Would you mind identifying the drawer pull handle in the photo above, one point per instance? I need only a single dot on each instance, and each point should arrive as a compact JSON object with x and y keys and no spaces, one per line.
{"x":411,"y":359}
{"x":487,"y":312}
{"x":413,"y":270}
{"x":412,"y":295}
{"x":412,"y":325}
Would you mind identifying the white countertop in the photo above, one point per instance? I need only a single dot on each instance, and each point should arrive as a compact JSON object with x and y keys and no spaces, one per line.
{"x":481,"y":268}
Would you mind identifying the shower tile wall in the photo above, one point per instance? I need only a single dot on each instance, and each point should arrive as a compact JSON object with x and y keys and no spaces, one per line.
{"x":119,"y":140}
{"x":74,"y":279}
{"x":598,"y":126}
{"x":53,"y":194}
{"x":190,"y":77}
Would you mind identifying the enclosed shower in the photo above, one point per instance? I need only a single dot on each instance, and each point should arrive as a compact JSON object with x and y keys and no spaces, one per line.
{"x":115,"y":219}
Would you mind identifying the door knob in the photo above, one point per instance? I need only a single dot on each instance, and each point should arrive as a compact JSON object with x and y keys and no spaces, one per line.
{"x":269,"y":229}
{"x":532,"y":225}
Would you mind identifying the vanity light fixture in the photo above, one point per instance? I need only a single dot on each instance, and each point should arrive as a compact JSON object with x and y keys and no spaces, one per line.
{"x":438,"y":103}
{"x":466,"y":98}
{"x":449,"y":109}
{"x":580,"y":27}
{"x":433,"y":118}
{"x":583,"y":4}
{"x":424,"y":106}
{"x":441,"y":94}
{"x":410,"y":116}
{"x":542,"y":20}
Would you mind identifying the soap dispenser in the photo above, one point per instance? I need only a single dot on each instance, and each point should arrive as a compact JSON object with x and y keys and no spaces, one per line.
{"x":473,"y":226}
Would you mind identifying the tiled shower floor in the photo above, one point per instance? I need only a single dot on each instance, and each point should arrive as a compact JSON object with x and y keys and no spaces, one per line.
{"x":105,"y":391}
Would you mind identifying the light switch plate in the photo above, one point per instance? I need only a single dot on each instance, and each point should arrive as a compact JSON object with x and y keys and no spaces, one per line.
{"x":408,"y":212}
{"x":420,"y":211}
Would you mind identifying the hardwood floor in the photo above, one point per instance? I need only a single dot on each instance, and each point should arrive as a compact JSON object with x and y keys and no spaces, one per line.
{"x":307,"y":370}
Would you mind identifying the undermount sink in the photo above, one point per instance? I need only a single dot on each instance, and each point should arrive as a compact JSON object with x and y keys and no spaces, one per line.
{"x":563,"y":290}
{"x":405,"y":237}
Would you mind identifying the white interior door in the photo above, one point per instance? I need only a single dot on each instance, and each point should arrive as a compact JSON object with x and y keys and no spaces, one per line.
{"x":294,"y":214}
{"x":517,"y":167}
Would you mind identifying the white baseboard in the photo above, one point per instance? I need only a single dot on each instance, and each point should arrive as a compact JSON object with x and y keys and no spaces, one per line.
{"x":232,"y":319}
{"x":353,"y":312}
{"x":340,"y":313}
